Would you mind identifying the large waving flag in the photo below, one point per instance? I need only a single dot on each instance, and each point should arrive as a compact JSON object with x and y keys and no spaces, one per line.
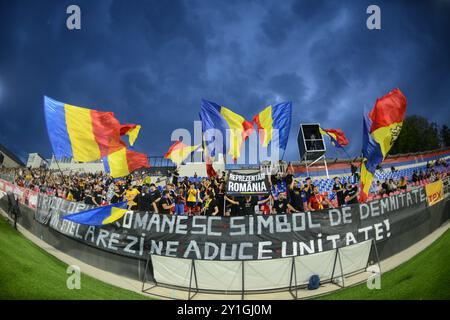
{"x":123,"y":162}
{"x":131,"y":130}
{"x":381,"y":129}
{"x":178,"y":152}
{"x":79,"y":133}
{"x":274,"y":117}
{"x":337,"y":137}
{"x":234,"y":128}
{"x":99,"y":216}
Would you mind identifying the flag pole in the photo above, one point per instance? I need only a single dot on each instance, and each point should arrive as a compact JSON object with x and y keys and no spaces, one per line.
{"x":59,"y":168}
{"x":346,"y":153}
{"x":282,"y":157}
{"x":225,"y":190}
{"x":362,"y":153}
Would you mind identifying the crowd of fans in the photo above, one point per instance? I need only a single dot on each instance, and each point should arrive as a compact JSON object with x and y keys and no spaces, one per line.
{"x":205,"y":196}
{"x":430,"y":174}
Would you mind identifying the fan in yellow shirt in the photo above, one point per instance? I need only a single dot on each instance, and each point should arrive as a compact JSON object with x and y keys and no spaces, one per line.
{"x":130,"y":194}
{"x":69,"y":196}
{"x":192,"y":194}
{"x":191,"y":197}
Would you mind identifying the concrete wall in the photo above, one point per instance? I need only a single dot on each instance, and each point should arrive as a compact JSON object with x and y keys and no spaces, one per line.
{"x":428,"y":220}
{"x":191,"y":168}
{"x":36,"y":161}
{"x":8,"y":162}
{"x":66,"y":166}
{"x":118,"y":264}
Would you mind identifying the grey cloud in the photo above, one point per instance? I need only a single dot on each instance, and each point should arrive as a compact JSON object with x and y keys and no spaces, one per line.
{"x":152,"y":61}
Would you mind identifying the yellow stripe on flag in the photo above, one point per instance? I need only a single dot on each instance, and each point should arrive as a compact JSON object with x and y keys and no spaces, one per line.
{"x":133,"y":134}
{"x":329,"y":134}
{"x":180,"y":154}
{"x":118,"y":164}
{"x":366,"y":179}
{"x":333,"y":135}
{"x":266,"y":122}
{"x":116,"y":214}
{"x":235,"y":123}
{"x":386,"y":136}
{"x":79,"y":126}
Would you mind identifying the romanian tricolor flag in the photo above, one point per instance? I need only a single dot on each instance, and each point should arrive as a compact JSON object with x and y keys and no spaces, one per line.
{"x":233,"y":127}
{"x":381,"y":129}
{"x":337,"y":137}
{"x":277,"y":117}
{"x":131,"y":130}
{"x":123,"y":162}
{"x":82,"y":134}
{"x":178,"y":152}
{"x":99,"y":216}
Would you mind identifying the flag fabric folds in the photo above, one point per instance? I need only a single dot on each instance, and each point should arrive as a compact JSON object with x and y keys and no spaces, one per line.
{"x":123,"y":162}
{"x":233,"y":127}
{"x":274,"y":117}
{"x":208,"y":162}
{"x":381,"y":128}
{"x":210,"y":168}
{"x":80,"y":133}
{"x":131,"y":130}
{"x":178,"y":152}
{"x":99,"y":216}
{"x":337,"y":137}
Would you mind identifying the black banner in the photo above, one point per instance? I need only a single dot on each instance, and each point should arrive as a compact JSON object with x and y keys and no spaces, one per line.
{"x":239,"y":184}
{"x":48,"y":205}
{"x":242,"y":237}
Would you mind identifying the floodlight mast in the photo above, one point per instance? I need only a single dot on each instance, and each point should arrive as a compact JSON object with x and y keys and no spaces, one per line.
{"x":311,"y":146}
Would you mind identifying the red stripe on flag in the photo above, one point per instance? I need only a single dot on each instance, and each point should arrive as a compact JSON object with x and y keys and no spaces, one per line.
{"x":340,"y":136}
{"x":124,"y":128}
{"x":388,"y":110}
{"x":106,"y":130}
{"x":247,"y":127}
{"x":136,"y":160}
{"x":261,"y":131}
{"x":177,"y":145}
{"x":209,"y":167}
{"x":362,"y":194}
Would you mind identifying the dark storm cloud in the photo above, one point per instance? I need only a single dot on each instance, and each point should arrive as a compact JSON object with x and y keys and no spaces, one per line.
{"x":151,"y":62}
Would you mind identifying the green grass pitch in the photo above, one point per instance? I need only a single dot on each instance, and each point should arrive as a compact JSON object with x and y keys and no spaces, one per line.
{"x":425,"y":276}
{"x":28,"y":272}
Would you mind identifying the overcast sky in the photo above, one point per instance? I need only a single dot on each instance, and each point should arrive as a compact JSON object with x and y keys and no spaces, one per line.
{"x":151,"y":62}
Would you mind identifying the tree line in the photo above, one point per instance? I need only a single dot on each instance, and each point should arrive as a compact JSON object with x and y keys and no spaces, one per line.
{"x":418,"y":134}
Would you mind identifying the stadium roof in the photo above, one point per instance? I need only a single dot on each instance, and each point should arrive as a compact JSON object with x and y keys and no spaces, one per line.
{"x":11,"y":155}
